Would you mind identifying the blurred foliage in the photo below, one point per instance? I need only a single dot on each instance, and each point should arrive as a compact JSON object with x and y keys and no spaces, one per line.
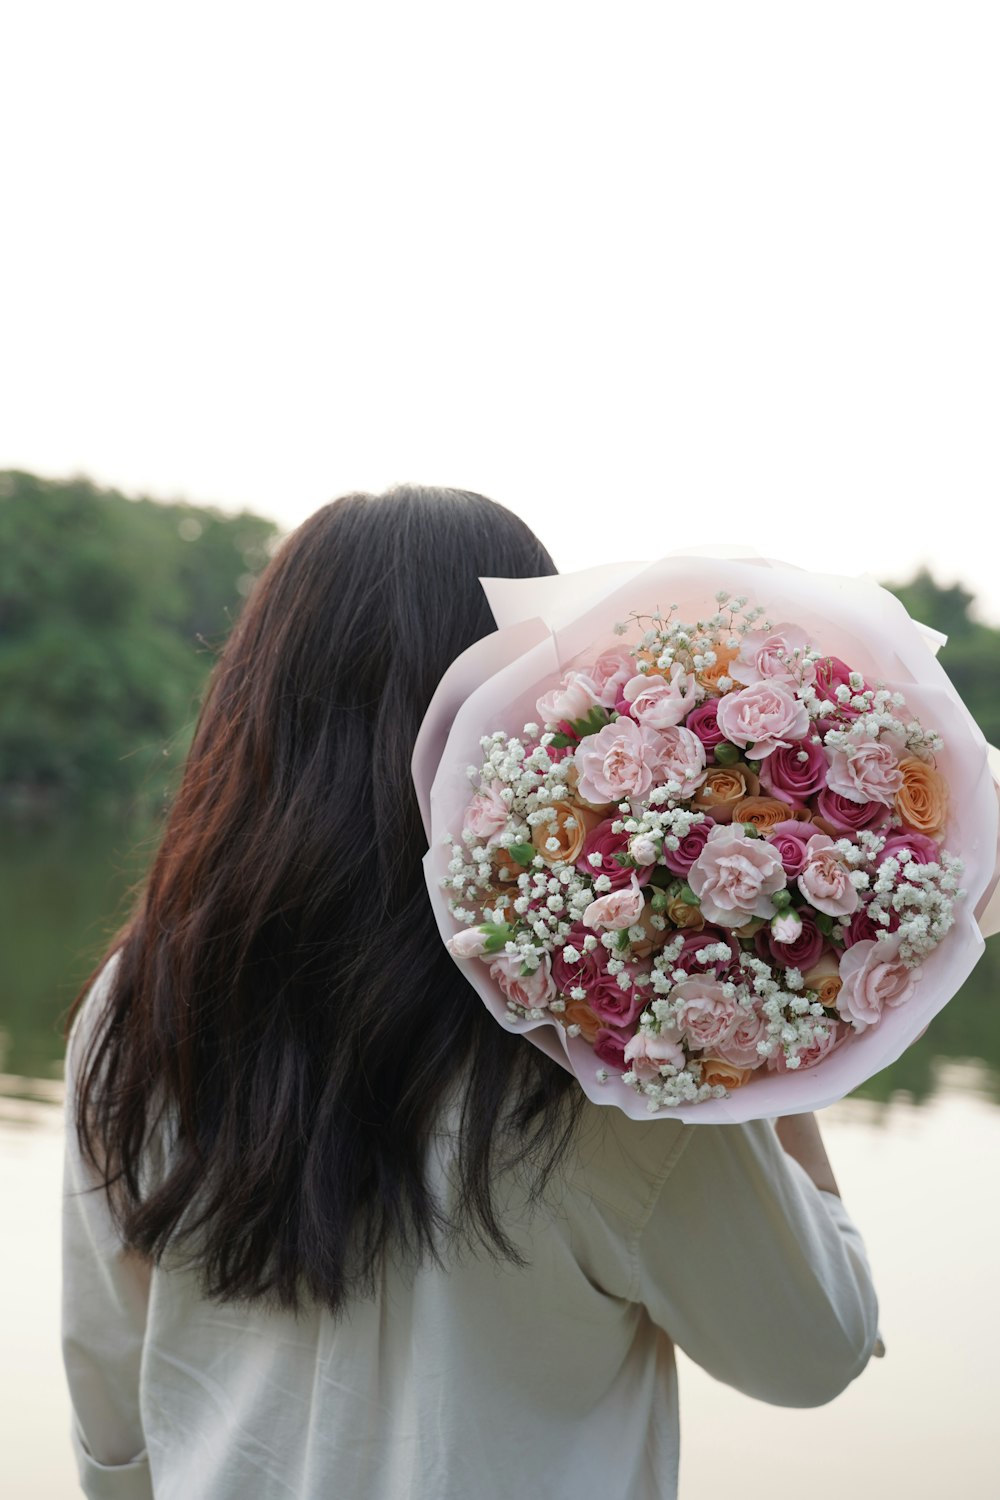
{"x":110,"y":611}
{"x":972,"y":654}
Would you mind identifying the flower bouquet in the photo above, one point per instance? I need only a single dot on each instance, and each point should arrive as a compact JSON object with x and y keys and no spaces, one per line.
{"x":712,"y":832}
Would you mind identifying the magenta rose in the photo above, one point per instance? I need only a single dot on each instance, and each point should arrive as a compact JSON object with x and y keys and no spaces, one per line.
{"x":679,"y":861}
{"x":848,"y":816}
{"x":735,"y":876}
{"x":623,"y":760}
{"x":831,"y":1037}
{"x":613,"y":1005}
{"x":696,"y":942}
{"x":795,"y":772}
{"x":585,"y":972}
{"x":705,"y":1015}
{"x":610,"y":1044}
{"x":873,"y":977}
{"x":800,"y":954}
{"x":791,"y":840}
{"x":762,"y":718}
{"x":832,"y":673}
{"x":925,"y":851}
{"x":861,"y":928}
{"x":607,"y":844}
{"x":704,"y":722}
{"x":865,"y":771}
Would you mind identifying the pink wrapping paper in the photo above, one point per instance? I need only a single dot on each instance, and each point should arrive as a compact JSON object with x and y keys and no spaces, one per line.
{"x":548,"y":625}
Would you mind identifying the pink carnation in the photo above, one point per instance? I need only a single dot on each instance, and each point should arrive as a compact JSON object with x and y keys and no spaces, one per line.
{"x":705,"y":1014}
{"x":617,"y":910}
{"x":646,"y":1054}
{"x":486,"y":815}
{"x":660,"y":701}
{"x":572,"y":699}
{"x":607,"y":675}
{"x":623,"y":760}
{"x":763,"y":718}
{"x":873,"y":976}
{"x":533,"y":991}
{"x":740,"y":1047}
{"x":864,"y":771}
{"x":832,"y":1035}
{"x":684,"y":760}
{"x":825,"y":880}
{"x":735,"y":876}
{"x":763,"y":657}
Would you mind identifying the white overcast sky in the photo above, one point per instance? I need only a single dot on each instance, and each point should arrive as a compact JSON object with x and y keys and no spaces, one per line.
{"x":649,"y":274}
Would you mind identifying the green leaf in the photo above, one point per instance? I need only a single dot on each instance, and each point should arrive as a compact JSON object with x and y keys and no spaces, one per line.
{"x":497,"y":935}
{"x":726,"y":754}
{"x":561,"y":741}
{"x":522,"y":853}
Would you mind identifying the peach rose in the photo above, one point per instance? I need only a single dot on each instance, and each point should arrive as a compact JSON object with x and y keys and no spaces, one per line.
{"x":824,"y":978}
{"x":579,"y":1013}
{"x":684,"y":915}
{"x":922,"y":800}
{"x":724,"y":658}
{"x":716,"y":1071}
{"x":763,"y":812}
{"x":573,"y":824}
{"x":722,"y":788}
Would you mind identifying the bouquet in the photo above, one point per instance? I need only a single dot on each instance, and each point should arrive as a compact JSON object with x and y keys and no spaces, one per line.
{"x":718,"y":852}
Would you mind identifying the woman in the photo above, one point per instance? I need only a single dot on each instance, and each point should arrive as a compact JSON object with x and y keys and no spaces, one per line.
{"x":329,"y":1230}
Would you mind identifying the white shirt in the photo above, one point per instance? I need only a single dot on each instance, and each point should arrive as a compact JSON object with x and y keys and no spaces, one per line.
{"x":478,"y":1380}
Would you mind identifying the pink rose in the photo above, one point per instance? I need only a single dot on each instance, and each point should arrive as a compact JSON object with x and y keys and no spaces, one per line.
{"x":735,"y":876}
{"x":486,"y":815}
{"x":572,"y":699}
{"x":864,"y":771}
{"x":660,"y":701}
{"x":790,"y":839}
{"x":796,"y":772}
{"x":825,"y":880}
{"x":617,"y":910}
{"x":684,"y":759}
{"x":873,"y":977}
{"x":770,"y":656}
{"x":833,"y":1033}
{"x":847,"y":816}
{"x":924,"y":850}
{"x":607,"y":675}
{"x":704,"y":722}
{"x":740,"y":1047}
{"x":646,"y":1054}
{"x":801,"y":953}
{"x":603,"y":841}
{"x":469,"y":943}
{"x":533,"y":991}
{"x":623,"y":760}
{"x":762,"y":718}
{"x":678,"y":861}
{"x":705,"y":1015}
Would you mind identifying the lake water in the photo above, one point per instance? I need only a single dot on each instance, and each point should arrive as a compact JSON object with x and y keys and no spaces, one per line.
{"x":915,"y":1153}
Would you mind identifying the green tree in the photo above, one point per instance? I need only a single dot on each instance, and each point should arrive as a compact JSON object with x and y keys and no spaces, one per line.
{"x":110,"y":608}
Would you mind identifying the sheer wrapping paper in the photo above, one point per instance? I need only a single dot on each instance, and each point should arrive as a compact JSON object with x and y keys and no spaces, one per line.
{"x":546,"y":626}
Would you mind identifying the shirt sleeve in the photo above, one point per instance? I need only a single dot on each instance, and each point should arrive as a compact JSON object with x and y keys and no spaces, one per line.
{"x":104,"y":1299}
{"x":760,"y":1277}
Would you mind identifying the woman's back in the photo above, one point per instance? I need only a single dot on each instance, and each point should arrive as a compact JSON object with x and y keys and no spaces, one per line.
{"x":478,"y":1377}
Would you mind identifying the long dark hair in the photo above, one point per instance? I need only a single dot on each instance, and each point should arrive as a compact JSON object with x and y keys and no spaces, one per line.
{"x":281,"y":993}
